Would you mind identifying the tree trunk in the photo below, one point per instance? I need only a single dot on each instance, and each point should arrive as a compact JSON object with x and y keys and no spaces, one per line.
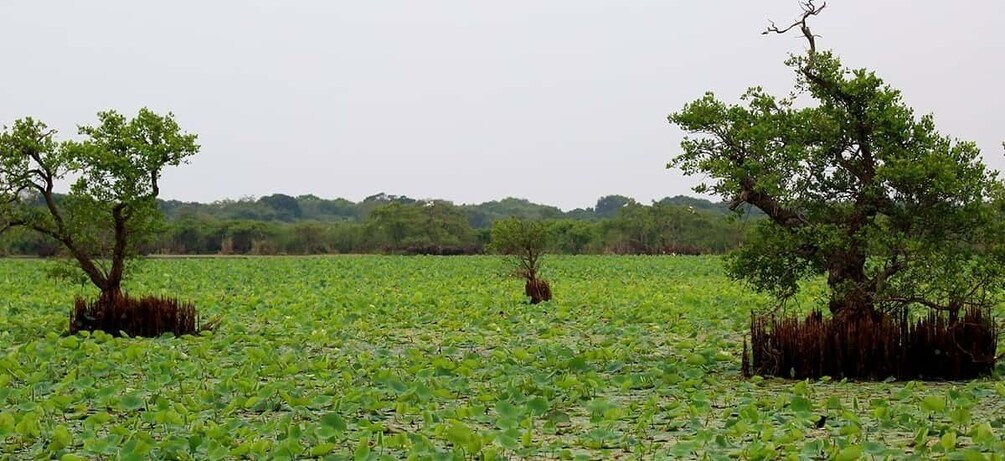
{"x":112,"y":289}
{"x":851,"y":297}
{"x":113,"y":283}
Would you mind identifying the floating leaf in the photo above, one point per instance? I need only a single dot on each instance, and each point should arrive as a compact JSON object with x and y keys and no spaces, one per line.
{"x":131,"y":402}
{"x":933,"y":403}
{"x":538,"y":405}
{"x":800,"y":404}
{"x":849,"y":453}
{"x":334,"y":421}
{"x":61,"y":438}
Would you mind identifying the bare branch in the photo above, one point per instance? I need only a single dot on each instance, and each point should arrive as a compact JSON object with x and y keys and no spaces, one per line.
{"x":45,"y":134}
{"x":809,"y":9}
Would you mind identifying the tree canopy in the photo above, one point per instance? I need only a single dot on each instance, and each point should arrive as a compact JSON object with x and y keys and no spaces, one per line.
{"x":855,"y":186}
{"x":115,"y":171}
{"x":524,"y":241}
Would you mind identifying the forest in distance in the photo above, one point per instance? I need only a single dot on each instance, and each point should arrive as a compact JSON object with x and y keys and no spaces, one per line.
{"x":282,"y":224}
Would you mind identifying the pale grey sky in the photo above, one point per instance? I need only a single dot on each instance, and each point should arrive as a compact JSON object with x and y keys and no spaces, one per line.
{"x":554,"y":101}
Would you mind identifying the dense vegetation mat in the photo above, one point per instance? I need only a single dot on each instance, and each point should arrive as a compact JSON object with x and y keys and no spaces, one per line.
{"x":442,"y":358}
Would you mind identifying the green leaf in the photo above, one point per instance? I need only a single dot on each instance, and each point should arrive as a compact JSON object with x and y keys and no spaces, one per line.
{"x":682,"y":449}
{"x":132,"y":402}
{"x":334,"y":421}
{"x":362,"y":452}
{"x":60,"y":438}
{"x":462,"y":435}
{"x":921,"y":436}
{"x":873,"y":448}
{"x":801,"y":404}
{"x":948,"y":441}
{"x":322,"y":449}
{"x":983,"y":434}
{"x":508,"y":439}
{"x":812,"y":448}
{"x":7,"y":424}
{"x":538,"y":405}
{"x":933,"y":403}
{"x":973,"y":455}
{"x":28,"y":427}
{"x":507,"y":409}
{"x":849,"y":453}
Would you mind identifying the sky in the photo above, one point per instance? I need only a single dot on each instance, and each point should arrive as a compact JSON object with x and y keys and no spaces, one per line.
{"x":559,"y":102}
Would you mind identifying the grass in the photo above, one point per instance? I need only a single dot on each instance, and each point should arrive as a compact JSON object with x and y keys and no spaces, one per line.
{"x":440,"y":358}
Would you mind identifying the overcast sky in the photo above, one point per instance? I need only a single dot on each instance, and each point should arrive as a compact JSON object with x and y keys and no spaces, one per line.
{"x":558,"y":102}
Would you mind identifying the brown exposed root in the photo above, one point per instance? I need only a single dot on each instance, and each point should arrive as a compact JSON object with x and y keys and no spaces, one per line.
{"x":139,"y":317}
{"x":538,"y":290}
{"x":935,"y":347}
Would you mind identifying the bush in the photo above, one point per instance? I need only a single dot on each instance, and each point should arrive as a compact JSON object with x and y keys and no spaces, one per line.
{"x":146,"y":317}
{"x":524,"y":242}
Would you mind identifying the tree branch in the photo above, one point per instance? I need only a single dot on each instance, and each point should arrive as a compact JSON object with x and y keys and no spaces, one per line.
{"x":865,"y":168}
{"x":918,"y":300}
{"x":154,"y":187}
{"x":809,"y":9}
{"x":896,"y":265}
{"x":12,"y":224}
{"x":96,"y":275}
{"x":44,"y":230}
{"x":36,"y":171}
{"x":954,"y":305}
{"x":737,"y":154}
{"x":47,"y":189}
{"x":779,"y":214}
{"x":114,"y":277}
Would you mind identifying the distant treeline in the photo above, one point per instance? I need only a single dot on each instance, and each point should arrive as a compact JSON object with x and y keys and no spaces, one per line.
{"x":281,"y":224}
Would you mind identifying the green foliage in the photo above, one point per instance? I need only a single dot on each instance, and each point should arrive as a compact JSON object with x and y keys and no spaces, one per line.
{"x":854,"y":185}
{"x":517,"y":236}
{"x":609,"y":205}
{"x":637,"y":359}
{"x":271,"y":225}
{"x":572,"y":237}
{"x":483,"y":215}
{"x":524,"y":242}
{"x":280,"y":207}
{"x":119,"y":163}
{"x":111,"y":207}
{"x":397,"y":226}
{"x":666,"y":228}
{"x":286,"y":208}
